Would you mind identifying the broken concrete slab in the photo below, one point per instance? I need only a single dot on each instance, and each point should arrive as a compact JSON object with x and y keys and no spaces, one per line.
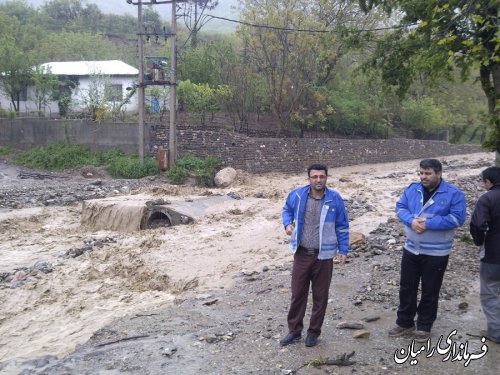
{"x":135,"y":212}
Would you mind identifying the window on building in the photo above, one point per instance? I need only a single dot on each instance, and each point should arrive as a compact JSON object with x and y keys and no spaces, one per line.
{"x":115,"y":93}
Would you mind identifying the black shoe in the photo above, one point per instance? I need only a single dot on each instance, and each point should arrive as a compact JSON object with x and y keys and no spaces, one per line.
{"x":290,"y":338}
{"x":311,"y":340}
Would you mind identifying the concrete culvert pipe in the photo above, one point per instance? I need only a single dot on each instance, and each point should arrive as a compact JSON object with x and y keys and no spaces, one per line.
{"x":155,"y":218}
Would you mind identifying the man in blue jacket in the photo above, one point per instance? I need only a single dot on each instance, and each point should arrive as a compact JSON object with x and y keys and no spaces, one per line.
{"x":315,"y":218}
{"x":430,"y":211}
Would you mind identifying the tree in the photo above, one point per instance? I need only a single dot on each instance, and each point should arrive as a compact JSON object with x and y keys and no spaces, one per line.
{"x":74,"y":46}
{"x":98,"y":99}
{"x":201,"y":64}
{"x":195,"y":17}
{"x":45,"y":83}
{"x":152,"y":22}
{"x":63,"y":10}
{"x":296,"y":45}
{"x":422,"y":114}
{"x":434,"y":37}
{"x":21,"y":10}
{"x":17,"y":45}
{"x":312,"y":112}
{"x":201,"y":98}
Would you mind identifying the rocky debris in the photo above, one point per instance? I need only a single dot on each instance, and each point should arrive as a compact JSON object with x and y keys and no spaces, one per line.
{"x":351,"y":324}
{"x":89,"y":245}
{"x":234,"y":195}
{"x":157,"y":202}
{"x":361,"y":334}
{"x":38,"y":176}
{"x":168,"y":352}
{"x":216,"y":337}
{"x":38,"y":188}
{"x":21,"y":276}
{"x":225,"y":177}
{"x":372,"y":318}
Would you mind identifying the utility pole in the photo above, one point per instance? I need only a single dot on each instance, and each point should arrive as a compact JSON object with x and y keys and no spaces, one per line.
{"x":172,"y":135}
{"x":141,"y":91}
{"x":172,"y":81}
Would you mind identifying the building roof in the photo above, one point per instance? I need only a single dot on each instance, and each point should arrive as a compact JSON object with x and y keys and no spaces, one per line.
{"x":86,"y":68}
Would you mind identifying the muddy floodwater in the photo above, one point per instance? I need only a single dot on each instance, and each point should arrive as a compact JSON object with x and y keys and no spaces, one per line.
{"x":85,"y":289}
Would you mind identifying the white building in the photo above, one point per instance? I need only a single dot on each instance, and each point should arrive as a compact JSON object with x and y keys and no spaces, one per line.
{"x":88,"y":80}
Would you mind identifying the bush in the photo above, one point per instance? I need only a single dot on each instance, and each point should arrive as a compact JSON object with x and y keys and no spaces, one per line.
{"x":5,"y":150}
{"x":354,"y":116}
{"x":202,"y":169}
{"x":423,"y":114}
{"x":56,"y":156}
{"x":131,"y":167}
{"x":7,"y":114}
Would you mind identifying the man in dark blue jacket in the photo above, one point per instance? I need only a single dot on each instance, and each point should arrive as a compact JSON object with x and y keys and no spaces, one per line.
{"x":485,"y":230}
{"x":430,"y":210}
{"x":314,"y":217}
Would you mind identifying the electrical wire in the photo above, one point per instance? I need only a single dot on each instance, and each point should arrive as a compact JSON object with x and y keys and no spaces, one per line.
{"x":298,"y":30}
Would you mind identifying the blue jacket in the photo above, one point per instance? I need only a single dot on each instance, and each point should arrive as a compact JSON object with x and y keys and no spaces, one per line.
{"x":333,"y":225}
{"x":443,"y":212}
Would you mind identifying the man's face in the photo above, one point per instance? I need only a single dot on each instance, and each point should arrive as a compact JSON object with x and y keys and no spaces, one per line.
{"x":429,"y":178}
{"x":487,"y":184}
{"x":317,"y":179}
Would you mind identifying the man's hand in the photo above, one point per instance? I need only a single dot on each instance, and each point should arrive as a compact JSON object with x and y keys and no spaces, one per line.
{"x":418,"y":224}
{"x":289,"y":229}
{"x":341,"y":258}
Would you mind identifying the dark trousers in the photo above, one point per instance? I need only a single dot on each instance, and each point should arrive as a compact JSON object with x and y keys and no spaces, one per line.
{"x":429,"y":270}
{"x":307,"y":269}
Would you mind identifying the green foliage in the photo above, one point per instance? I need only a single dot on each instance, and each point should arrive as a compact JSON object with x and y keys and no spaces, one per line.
{"x":492,"y":143}
{"x":207,"y":63}
{"x":314,"y":110}
{"x":201,"y":98}
{"x":18,"y":44}
{"x":5,"y":150}
{"x":7,"y":114}
{"x":435,"y":37}
{"x":354,"y":116}
{"x":422,"y":114}
{"x":58,"y":156}
{"x":466,"y":238}
{"x":292,"y":61}
{"x":194,"y":14}
{"x":45,"y":83}
{"x":203,"y":169}
{"x":76,"y":46}
{"x":64,"y":103}
{"x":131,"y":167}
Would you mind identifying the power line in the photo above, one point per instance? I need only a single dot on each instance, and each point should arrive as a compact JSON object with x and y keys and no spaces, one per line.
{"x":298,"y":30}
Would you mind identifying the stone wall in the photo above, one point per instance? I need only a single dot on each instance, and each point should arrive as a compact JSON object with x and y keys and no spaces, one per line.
{"x":255,"y":155}
{"x":260,"y":155}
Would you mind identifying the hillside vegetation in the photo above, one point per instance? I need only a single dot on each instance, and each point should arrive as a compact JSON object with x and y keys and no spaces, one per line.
{"x":312,"y":66}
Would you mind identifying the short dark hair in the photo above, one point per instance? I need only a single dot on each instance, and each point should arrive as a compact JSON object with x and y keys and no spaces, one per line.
{"x":433,"y":164}
{"x":317,"y":167}
{"x":492,"y":174}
